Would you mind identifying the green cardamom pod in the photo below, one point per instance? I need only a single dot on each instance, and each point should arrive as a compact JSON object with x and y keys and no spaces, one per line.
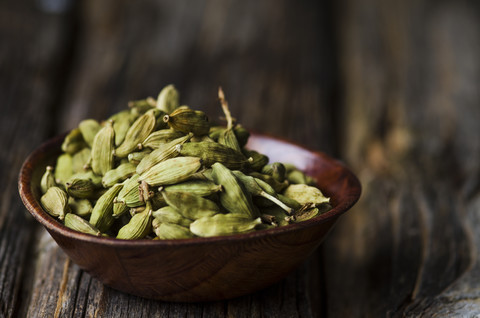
{"x":48,"y":180}
{"x":141,"y":106}
{"x":215,"y":132}
{"x":89,"y":128}
{"x":294,"y":204}
{"x":278,"y":213}
{"x":73,"y":142}
{"x":119,"y":174}
{"x":80,"y":188}
{"x":80,"y":160}
{"x":128,"y":196}
{"x":234,"y":197}
{"x":168,"y":99}
{"x":297,"y":177}
{"x":76,"y":223}
{"x":212,"y":152}
{"x":277,"y":186}
{"x":138,"y":227}
{"x":223,"y":224}
{"x":169,"y":231}
{"x":189,"y":205}
{"x":122,"y":121}
{"x":89,"y":174}
{"x":229,"y":139}
{"x":64,"y":168}
{"x":102,"y":213}
{"x":137,"y":133}
{"x":276,"y":170}
{"x":203,"y":188}
{"x":166,"y":151}
{"x":254,"y":188}
{"x":80,"y":207}
{"x":187,"y":120}
{"x":103,"y":149}
{"x":171,"y":171}
{"x":168,"y":214}
{"x":55,"y":202}
{"x":242,"y":135}
{"x":304,"y":194}
{"x":257,"y":161}
{"x":160,"y":137}
{"x":136,"y":157}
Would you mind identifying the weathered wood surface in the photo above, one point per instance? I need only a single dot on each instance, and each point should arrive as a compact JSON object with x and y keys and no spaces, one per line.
{"x":390,"y":87}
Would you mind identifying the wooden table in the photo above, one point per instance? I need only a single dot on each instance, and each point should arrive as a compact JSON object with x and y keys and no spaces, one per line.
{"x":390,"y":87}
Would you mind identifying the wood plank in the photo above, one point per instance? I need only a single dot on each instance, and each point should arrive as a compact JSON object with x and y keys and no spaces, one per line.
{"x":126,"y":50}
{"x":409,"y":248}
{"x":31,"y":55}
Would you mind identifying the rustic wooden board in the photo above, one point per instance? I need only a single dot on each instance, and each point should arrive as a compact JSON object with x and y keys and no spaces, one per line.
{"x":411,"y":78}
{"x":390,"y":87}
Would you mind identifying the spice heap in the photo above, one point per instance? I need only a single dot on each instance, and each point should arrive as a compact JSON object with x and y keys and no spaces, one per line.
{"x":159,"y":170}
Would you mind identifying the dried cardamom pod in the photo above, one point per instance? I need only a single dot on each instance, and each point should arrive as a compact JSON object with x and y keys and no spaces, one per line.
{"x":168,"y":99}
{"x":48,"y":180}
{"x":80,"y":160}
{"x":242,"y":135}
{"x":160,"y":137}
{"x":223,"y":224}
{"x":296,"y":177}
{"x":102,"y":213}
{"x":294,"y":204}
{"x":80,"y":188}
{"x":89,"y":174}
{"x":171,"y":171}
{"x":63,"y":168}
{"x":202,"y":188}
{"x":254,"y":188}
{"x":215,"y":132}
{"x":169,"y":231}
{"x":55,"y":202}
{"x":187,"y":120}
{"x":76,"y":223}
{"x":142,"y":106}
{"x":189,"y":205}
{"x":276,"y":170}
{"x":168,"y":214}
{"x":136,"y":157}
{"x":212,"y":152}
{"x":80,"y":207}
{"x":278,"y":213}
{"x":137,"y":133}
{"x":257,"y":161}
{"x":305,"y":194}
{"x":119,"y":174}
{"x":234,"y":197}
{"x":122,"y":121}
{"x":128,"y":196}
{"x":73,"y":142}
{"x":102,"y":149}
{"x":166,"y":151}
{"x":89,"y":128}
{"x":277,"y":186}
{"x":139,"y":226}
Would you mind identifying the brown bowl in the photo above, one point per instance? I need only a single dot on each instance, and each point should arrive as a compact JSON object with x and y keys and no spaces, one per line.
{"x":200,"y":269}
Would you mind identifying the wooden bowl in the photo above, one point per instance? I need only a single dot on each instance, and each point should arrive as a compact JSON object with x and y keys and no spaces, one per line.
{"x":199,"y":269}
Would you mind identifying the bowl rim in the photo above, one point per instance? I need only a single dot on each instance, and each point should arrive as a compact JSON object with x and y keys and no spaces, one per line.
{"x":52,"y":225}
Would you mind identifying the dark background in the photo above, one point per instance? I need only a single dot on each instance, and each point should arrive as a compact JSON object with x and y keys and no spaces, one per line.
{"x":392,"y":88}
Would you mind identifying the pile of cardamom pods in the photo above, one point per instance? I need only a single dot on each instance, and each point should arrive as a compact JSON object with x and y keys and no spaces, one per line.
{"x":159,"y":170}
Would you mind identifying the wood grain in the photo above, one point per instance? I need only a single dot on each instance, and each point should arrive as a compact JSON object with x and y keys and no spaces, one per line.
{"x":390,"y":87}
